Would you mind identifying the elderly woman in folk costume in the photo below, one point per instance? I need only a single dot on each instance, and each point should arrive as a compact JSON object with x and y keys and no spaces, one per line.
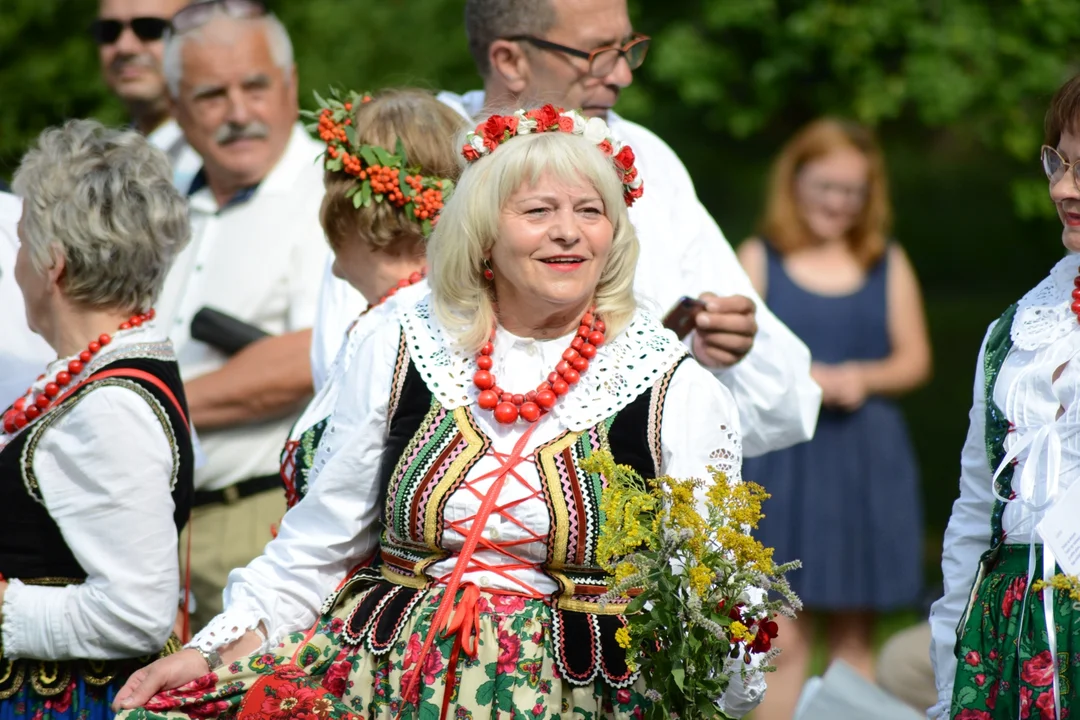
{"x":96,"y":460}
{"x":464,"y":425}
{"x":1005,"y":597}
{"x":378,"y":237}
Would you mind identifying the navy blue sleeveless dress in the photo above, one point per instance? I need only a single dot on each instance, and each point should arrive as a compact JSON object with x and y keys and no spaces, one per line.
{"x":847,"y":503}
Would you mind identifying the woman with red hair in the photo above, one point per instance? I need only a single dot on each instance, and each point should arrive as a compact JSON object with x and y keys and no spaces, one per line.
{"x":847,"y":502}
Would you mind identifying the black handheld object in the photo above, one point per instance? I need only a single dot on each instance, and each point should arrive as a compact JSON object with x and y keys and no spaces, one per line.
{"x":681,"y":317}
{"x":223,"y":331}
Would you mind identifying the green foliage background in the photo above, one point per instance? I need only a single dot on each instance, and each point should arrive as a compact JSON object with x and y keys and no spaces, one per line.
{"x":956,"y":88}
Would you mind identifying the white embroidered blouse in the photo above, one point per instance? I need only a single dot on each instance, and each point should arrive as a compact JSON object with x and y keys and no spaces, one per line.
{"x":1046,"y":339}
{"x":106,"y":471}
{"x":337,"y":523}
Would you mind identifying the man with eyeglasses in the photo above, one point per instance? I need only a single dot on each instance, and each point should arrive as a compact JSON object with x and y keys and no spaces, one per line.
{"x":256,"y":254}
{"x":129,"y":36}
{"x":582,"y":53}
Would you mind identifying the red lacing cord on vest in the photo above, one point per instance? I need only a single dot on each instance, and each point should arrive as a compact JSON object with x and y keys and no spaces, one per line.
{"x":464,"y":624}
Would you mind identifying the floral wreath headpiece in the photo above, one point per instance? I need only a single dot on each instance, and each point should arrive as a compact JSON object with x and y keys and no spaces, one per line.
{"x":498,"y":129}
{"x":381,"y":176}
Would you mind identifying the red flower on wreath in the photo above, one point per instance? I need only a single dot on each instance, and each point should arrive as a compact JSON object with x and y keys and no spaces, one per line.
{"x":605,"y":147}
{"x":1039,"y":670}
{"x":566,"y":124}
{"x":545,"y":116}
{"x":625,"y":159}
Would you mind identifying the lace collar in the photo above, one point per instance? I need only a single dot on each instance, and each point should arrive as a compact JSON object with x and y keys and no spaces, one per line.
{"x":1044,"y":315}
{"x":624,"y":368}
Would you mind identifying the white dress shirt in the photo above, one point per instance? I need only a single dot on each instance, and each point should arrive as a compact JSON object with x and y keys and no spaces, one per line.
{"x":23,"y":354}
{"x":337,"y":523}
{"x":105,"y":472}
{"x":169,"y":138}
{"x":683,"y":252}
{"x":261,"y":261}
{"x":1046,"y":338}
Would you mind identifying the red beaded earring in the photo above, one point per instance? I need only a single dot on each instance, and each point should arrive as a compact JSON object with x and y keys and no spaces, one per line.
{"x":489,"y":274}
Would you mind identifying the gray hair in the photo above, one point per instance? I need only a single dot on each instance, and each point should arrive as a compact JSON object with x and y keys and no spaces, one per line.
{"x":277,"y":37}
{"x":489,"y":20}
{"x":104,"y":199}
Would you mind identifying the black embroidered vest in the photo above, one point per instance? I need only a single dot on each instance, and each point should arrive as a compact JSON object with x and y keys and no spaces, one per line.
{"x":31,"y":545}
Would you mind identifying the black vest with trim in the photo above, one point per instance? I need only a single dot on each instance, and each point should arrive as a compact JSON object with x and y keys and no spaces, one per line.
{"x":31,"y":544}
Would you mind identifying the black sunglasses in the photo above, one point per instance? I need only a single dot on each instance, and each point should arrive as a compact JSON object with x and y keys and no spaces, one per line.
{"x":106,"y":32}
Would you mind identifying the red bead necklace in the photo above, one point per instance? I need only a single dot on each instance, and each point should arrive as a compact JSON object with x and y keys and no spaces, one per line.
{"x":1076,"y":297}
{"x":403,"y":283}
{"x":534,"y":404}
{"x":21,"y":413}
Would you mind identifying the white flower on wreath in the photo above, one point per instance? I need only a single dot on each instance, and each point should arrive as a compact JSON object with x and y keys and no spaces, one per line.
{"x":596,"y":131}
{"x":478,"y":144}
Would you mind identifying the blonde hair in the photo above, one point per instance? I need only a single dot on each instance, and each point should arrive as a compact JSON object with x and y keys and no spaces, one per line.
{"x":469,"y":226}
{"x":783,"y":224}
{"x":427,"y":129}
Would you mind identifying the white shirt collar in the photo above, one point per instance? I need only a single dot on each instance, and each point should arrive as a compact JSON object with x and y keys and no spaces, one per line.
{"x":1044,"y":315}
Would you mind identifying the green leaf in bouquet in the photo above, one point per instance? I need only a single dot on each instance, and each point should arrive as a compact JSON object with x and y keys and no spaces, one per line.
{"x":636,"y":604}
{"x":334,"y":164}
{"x":365,"y":193}
{"x":319,"y":98}
{"x":358,"y":200}
{"x":350,"y":133}
{"x":425,"y":227}
{"x":399,"y":150}
{"x":353,"y":189}
{"x":679,"y":675}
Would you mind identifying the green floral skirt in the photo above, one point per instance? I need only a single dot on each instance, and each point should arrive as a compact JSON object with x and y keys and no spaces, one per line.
{"x":514,"y":674}
{"x":1005,"y":672}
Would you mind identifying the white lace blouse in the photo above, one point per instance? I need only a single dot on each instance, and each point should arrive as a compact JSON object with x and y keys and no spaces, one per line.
{"x":1046,"y":338}
{"x":337,"y":523}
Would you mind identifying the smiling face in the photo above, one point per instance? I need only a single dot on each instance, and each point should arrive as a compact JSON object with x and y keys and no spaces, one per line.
{"x":565,"y":81}
{"x":130,"y":65}
{"x":553,"y":245}
{"x":831,"y":192}
{"x":1066,"y":195}
{"x":235,"y":105}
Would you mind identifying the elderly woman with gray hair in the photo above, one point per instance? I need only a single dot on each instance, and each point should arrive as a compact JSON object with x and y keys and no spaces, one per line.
{"x":96,"y":457}
{"x":463,"y":423}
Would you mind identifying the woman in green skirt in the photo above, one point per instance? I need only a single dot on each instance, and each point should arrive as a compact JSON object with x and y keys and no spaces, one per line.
{"x":1006,"y":634}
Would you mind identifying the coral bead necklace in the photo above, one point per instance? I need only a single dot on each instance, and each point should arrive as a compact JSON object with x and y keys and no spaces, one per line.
{"x":23,"y":412}
{"x":531,"y":406}
{"x":403,"y":283}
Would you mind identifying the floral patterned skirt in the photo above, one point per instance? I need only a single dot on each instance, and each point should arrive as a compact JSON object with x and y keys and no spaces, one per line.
{"x":513,"y":674}
{"x":1004,"y":666}
{"x":79,"y":701}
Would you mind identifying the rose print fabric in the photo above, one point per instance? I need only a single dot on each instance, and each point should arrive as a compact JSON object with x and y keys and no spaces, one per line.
{"x":1004,"y":671}
{"x":79,"y":701}
{"x":512,"y":676}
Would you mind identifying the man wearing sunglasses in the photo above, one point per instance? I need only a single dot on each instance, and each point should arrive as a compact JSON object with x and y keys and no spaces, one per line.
{"x":129,"y":36}
{"x":582,"y":53}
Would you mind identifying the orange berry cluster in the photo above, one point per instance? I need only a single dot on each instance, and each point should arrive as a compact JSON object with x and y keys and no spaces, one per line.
{"x":424,"y":197}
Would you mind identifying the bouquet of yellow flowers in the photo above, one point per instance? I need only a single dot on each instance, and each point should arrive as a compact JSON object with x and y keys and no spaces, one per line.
{"x":700,"y":584}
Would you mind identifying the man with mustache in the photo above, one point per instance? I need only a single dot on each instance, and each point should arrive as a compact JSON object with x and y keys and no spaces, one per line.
{"x":257,"y":253}
{"x":580,"y":54}
{"x":129,"y":36}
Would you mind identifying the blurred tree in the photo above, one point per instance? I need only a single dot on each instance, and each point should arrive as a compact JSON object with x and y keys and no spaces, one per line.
{"x":986,"y":68}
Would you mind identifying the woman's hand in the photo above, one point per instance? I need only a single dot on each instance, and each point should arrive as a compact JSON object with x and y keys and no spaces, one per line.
{"x":842,"y":386}
{"x":164,"y":674}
